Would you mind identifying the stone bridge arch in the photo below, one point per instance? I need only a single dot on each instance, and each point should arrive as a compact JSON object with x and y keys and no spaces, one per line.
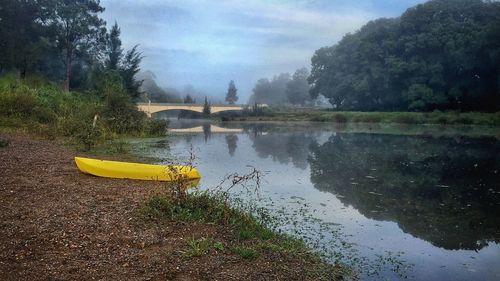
{"x":151,"y":108}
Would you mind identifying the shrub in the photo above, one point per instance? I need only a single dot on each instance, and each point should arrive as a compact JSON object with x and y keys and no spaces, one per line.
{"x":155,"y":127}
{"x":339,"y":118}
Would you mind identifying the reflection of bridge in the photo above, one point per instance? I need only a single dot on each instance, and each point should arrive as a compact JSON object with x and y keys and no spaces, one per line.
{"x":151,"y":108}
{"x":212,"y":128}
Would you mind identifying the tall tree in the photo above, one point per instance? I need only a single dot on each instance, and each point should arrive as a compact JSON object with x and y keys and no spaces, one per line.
{"x":231,"y":96}
{"x":114,"y":48}
{"x":297,"y":89}
{"x":78,"y":29}
{"x":129,"y":69}
{"x":443,"y":54}
{"x":24,"y":36}
{"x":271,"y":92}
{"x":206,"y":107}
{"x":188,"y":99}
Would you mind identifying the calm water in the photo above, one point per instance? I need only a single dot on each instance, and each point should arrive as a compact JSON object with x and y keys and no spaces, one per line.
{"x":435,"y":201}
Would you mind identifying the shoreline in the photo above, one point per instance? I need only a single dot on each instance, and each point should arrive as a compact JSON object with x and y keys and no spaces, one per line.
{"x":58,"y":223}
{"x":383,"y":118}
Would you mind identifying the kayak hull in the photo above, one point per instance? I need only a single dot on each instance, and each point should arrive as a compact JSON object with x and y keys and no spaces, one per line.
{"x":136,"y":171}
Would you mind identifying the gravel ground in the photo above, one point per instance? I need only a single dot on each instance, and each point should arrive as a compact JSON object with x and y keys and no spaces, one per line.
{"x":59,"y":224}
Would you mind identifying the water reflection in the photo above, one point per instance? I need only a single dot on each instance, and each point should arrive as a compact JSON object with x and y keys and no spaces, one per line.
{"x":232,"y":143}
{"x":283,"y":147}
{"x":445,"y":191}
{"x":422,"y":195}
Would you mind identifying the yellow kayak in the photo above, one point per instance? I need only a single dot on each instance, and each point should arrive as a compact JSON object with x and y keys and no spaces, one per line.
{"x":126,"y":170}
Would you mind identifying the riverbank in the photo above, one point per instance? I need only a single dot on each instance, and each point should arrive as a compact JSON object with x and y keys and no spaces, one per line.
{"x":58,"y":223}
{"x":417,"y":118}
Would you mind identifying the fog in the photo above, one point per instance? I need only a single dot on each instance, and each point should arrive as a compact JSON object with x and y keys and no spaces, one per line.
{"x":208,"y":43}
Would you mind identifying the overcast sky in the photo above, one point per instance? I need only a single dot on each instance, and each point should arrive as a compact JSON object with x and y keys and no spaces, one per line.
{"x":208,"y":43}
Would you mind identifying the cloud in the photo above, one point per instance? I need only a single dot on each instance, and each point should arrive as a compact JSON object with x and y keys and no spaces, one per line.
{"x":212,"y":42}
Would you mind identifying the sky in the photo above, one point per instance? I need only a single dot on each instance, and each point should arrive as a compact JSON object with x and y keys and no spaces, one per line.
{"x":208,"y":43}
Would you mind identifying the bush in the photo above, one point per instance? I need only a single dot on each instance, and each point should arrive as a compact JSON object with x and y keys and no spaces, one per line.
{"x":45,"y":110}
{"x":339,"y":118}
{"x":155,"y":127}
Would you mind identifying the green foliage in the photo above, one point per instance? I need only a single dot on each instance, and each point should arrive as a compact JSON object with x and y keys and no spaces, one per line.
{"x":128,"y":71}
{"x":231,"y":96}
{"x":443,"y":54}
{"x":197,"y":247}
{"x":75,"y":24}
{"x":87,"y":119}
{"x":64,"y":40}
{"x":219,"y":246}
{"x":246,"y":253}
{"x":21,"y":48}
{"x":247,"y":233}
{"x":339,"y":118}
{"x":114,"y":49}
{"x":297,"y":89}
{"x":435,"y":117}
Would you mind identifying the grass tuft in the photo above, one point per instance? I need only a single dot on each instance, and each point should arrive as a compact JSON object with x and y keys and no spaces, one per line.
{"x":246,"y":253}
{"x":197,"y":247}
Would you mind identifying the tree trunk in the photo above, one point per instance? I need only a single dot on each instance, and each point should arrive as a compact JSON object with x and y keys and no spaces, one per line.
{"x":69,"y":56}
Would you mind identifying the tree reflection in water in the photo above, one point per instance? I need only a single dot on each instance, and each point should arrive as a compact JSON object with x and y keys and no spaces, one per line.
{"x":283,"y":147}
{"x":232,"y":143}
{"x":443,"y":190}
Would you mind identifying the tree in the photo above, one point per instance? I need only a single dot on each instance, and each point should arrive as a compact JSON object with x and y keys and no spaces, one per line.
{"x":78,"y":30}
{"x":443,"y":54}
{"x":155,"y":93}
{"x":22,"y":34}
{"x":231,"y":96}
{"x":188,"y":99}
{"x":297,"y":89}
{"x":271,"y":92}
{"x":114,"y":49}
{"x":128,"y":71}
{"x":206,"y":107}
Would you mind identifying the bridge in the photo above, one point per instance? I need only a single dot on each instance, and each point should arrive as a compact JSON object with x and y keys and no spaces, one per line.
{"x":151,"y":108}
{"x":211,"y":129}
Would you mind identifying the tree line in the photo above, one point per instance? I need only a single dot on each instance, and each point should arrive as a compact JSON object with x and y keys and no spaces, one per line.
{"x":64,"y":73}
{"x":283,"y":89}
{"x":440,"y":55}
{"x":67,"y":42}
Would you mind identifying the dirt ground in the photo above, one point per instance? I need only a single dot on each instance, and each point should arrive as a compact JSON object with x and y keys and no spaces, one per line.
{"x":57,"y":223}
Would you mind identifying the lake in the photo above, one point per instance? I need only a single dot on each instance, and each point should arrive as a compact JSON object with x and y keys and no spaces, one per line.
{"x":424,"y":205}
